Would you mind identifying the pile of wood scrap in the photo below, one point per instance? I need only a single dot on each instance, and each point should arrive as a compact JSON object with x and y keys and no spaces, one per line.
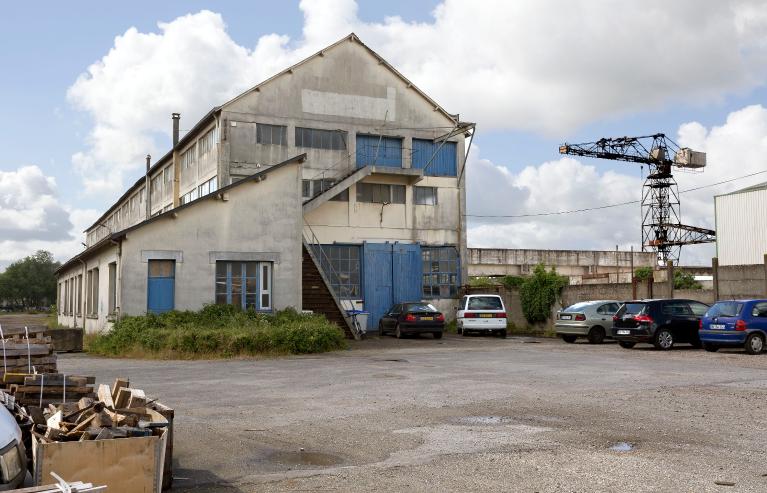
{"x":42,"y":389}
{"x":112,"y":412}
{"x":27,"y":350}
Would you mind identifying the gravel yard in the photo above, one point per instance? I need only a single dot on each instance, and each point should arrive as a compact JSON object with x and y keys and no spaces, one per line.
{"x":462,"y":414}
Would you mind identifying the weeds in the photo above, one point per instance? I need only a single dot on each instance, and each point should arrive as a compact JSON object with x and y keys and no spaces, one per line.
{"x":217,"y":331}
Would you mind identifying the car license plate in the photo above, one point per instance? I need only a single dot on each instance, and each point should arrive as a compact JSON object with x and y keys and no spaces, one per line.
{"x":624,"y":332}
{"x":427,"y":318}
{"x":485,"y":315}
{"x":717,"y":326}
{"x":565,"y":317}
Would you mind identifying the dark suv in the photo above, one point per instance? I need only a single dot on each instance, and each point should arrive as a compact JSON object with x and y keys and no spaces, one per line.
{"x":659,"y":322}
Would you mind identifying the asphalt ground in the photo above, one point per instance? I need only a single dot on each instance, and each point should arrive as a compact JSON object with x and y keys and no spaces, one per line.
{"x":462,"y":414}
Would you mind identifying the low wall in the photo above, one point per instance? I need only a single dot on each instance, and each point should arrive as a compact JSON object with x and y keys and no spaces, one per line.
{"x":741,"y":281}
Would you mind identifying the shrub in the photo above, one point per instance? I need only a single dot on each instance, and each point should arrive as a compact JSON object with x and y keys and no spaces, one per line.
{"x":481,"y":282}
{"x":218,"y":330}
{"x":512,"y":282}
{"x":539,"y":292}
{"x":685,"y":280}
{"x":643,"y":273}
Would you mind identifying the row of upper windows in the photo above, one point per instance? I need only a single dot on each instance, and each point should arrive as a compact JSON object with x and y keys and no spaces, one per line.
{"x":435,"y":158}
{"x":372,"y":193}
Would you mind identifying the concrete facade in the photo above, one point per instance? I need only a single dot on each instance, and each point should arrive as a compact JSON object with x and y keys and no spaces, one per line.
{"x":581,"y":266}
{"x":327,"y":108}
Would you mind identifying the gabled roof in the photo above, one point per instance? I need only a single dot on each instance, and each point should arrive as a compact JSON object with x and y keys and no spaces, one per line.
{"x":213,"y":196}
{"x":752,"y":188}
{"x":351,"y":37}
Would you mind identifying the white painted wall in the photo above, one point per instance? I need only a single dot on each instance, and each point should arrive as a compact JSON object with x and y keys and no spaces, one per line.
{"x":741,"y":227}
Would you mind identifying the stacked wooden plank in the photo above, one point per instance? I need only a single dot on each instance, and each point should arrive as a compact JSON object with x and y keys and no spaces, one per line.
{"x":27,"y":350}
{"x":43,"y":389}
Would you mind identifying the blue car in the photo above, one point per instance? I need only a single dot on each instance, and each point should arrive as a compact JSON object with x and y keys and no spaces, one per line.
{"x":737,"y":323}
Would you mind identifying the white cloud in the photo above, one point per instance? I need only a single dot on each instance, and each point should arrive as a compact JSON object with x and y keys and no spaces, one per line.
{"x":34,"y":219}
{"x":735,"y":148}
{"x":543,"y":66}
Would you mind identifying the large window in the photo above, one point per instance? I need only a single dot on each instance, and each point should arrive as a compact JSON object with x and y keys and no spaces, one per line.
{"x":189,"y":158}
{"x":377,"y":193}
{"x":271,"y":134}
{"x":341,"y":264}
{"x":321,"y":139}
{"x":244,"y":284}
{"x":440,"y":272}
{"x":112,"y":287}
{"x":376,"y":150}
{"x":435,"y":158}
{"x":312,"y":188}
{"x":206,"y":143}
{"x":92,"y":292}
{"x":425,"y":195}
{"x":209,"y":186}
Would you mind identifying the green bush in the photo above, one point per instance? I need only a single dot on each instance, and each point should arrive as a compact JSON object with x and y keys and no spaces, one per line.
{"x":539,"y":292}
{"x":643,"y":273}
{"x":512,"y":282}
{"x":218,"y":330}
{"x":481,"y":282}
{"x":685,"y":280}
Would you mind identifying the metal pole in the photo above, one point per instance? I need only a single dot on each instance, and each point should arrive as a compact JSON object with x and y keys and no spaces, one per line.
{"x":633,"y":279}
{"x":670,"y":273}
{"x":715,"y":273}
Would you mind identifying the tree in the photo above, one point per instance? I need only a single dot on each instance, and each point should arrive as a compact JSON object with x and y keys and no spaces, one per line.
{"x":685,"y":280}
{"x":31,"y":281}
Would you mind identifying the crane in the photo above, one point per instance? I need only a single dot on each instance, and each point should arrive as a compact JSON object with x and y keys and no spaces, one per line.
{"x":662,"y":229}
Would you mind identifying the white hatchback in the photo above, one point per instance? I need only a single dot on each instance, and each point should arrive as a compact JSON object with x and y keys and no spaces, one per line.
{"x":481,"y":313}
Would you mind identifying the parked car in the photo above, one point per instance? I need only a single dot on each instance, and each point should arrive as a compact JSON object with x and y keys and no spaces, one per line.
{"x":13,"y":458}
{"x":662,"y":323}
{"x":741,"y":323}
{"x":412,"y":318}
{"x":590,"y":319}
{"x":481,"y":313}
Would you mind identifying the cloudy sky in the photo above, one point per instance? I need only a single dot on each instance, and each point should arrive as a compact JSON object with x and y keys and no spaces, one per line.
{"x":87,"y":92}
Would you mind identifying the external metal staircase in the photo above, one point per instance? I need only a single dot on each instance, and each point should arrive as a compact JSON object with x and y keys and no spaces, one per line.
{"x":341,"y":184}
{"x":317,"y":292}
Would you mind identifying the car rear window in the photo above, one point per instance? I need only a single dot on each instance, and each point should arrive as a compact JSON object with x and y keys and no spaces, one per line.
{"x":725,"y":309}
{"x":577,"y":307}
{"x":632,"y":309}
{"x":485,"y":303}
{"x":420,"y":307}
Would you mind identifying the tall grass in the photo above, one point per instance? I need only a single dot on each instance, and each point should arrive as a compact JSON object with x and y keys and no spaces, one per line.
{"x":218,"y":331}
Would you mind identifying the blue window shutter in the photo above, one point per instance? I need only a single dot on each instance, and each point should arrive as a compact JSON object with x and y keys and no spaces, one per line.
{"x":374,"y":150}
{"x":444,"y":162}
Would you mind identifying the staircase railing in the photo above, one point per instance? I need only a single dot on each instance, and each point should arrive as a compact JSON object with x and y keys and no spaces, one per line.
{"x":321,"y":259}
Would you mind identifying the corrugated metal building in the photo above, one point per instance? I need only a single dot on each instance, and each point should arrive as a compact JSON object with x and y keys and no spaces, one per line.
{"x":741,"y":226}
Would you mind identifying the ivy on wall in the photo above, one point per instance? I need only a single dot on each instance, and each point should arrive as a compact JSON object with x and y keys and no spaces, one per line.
{"x":539,"y":292}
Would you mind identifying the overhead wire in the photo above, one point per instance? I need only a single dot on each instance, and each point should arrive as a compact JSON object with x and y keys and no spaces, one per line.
{"x":607,"y":206}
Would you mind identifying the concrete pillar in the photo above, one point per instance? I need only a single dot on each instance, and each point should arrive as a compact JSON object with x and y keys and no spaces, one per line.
{"x":715,"y":273}
{"x":670,"y":273}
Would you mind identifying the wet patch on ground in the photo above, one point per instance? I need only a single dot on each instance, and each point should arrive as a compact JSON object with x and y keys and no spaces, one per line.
{"x":483,"y":420}
{"x":293,"y":458}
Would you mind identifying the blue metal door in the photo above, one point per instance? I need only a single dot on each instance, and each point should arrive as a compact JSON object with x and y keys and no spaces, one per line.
{"x":378,"y":281}
{"x":375,"y":150}
{"x":161,"y":286}
{"x":407,"y":272}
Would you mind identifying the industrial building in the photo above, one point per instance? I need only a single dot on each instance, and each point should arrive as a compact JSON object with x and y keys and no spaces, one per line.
{"x":741,"y":232}
{"x":580,"y":266}
{"x":334,"y":183}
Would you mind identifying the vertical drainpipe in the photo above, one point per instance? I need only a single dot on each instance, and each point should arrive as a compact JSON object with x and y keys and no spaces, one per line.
{"x":147,"y":191}
{"x":176,"y":170}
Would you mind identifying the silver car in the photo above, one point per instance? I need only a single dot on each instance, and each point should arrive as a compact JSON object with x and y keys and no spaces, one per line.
{"x":590,"y":319}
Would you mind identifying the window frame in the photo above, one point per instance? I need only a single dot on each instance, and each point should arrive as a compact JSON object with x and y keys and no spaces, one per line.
{"x":320,"y":138}
{"x":258,"y":291}
{"x":420,"y":199}
{"x":440,"y":283}
{"x":261,"y":132}
{"x":380,"y":193}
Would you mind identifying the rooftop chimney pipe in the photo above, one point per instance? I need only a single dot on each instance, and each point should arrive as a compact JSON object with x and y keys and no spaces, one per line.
{"x":176,"y":117}
{"x":148,"y":162}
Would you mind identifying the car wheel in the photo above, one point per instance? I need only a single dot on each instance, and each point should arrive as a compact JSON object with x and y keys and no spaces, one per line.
{"x":596,"y":335}
{"x":397,"y":332}
{"x":754,"y":343}
{"x":710,"y":348}
{"x":437,"y":335}
{"x":503,"y":334}
{"x":569,"y":338}
{"x":458,"y":330}
{"x":626,"y":344}
{"x":464,"y":332}
{"x":664,"y":339}
{"x":380,"y":329}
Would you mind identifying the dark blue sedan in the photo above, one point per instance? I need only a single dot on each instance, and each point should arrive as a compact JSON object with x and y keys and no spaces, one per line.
{"x":737,"y":323}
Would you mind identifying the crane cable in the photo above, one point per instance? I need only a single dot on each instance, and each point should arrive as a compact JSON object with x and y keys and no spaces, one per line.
{"x":608,"y":206}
